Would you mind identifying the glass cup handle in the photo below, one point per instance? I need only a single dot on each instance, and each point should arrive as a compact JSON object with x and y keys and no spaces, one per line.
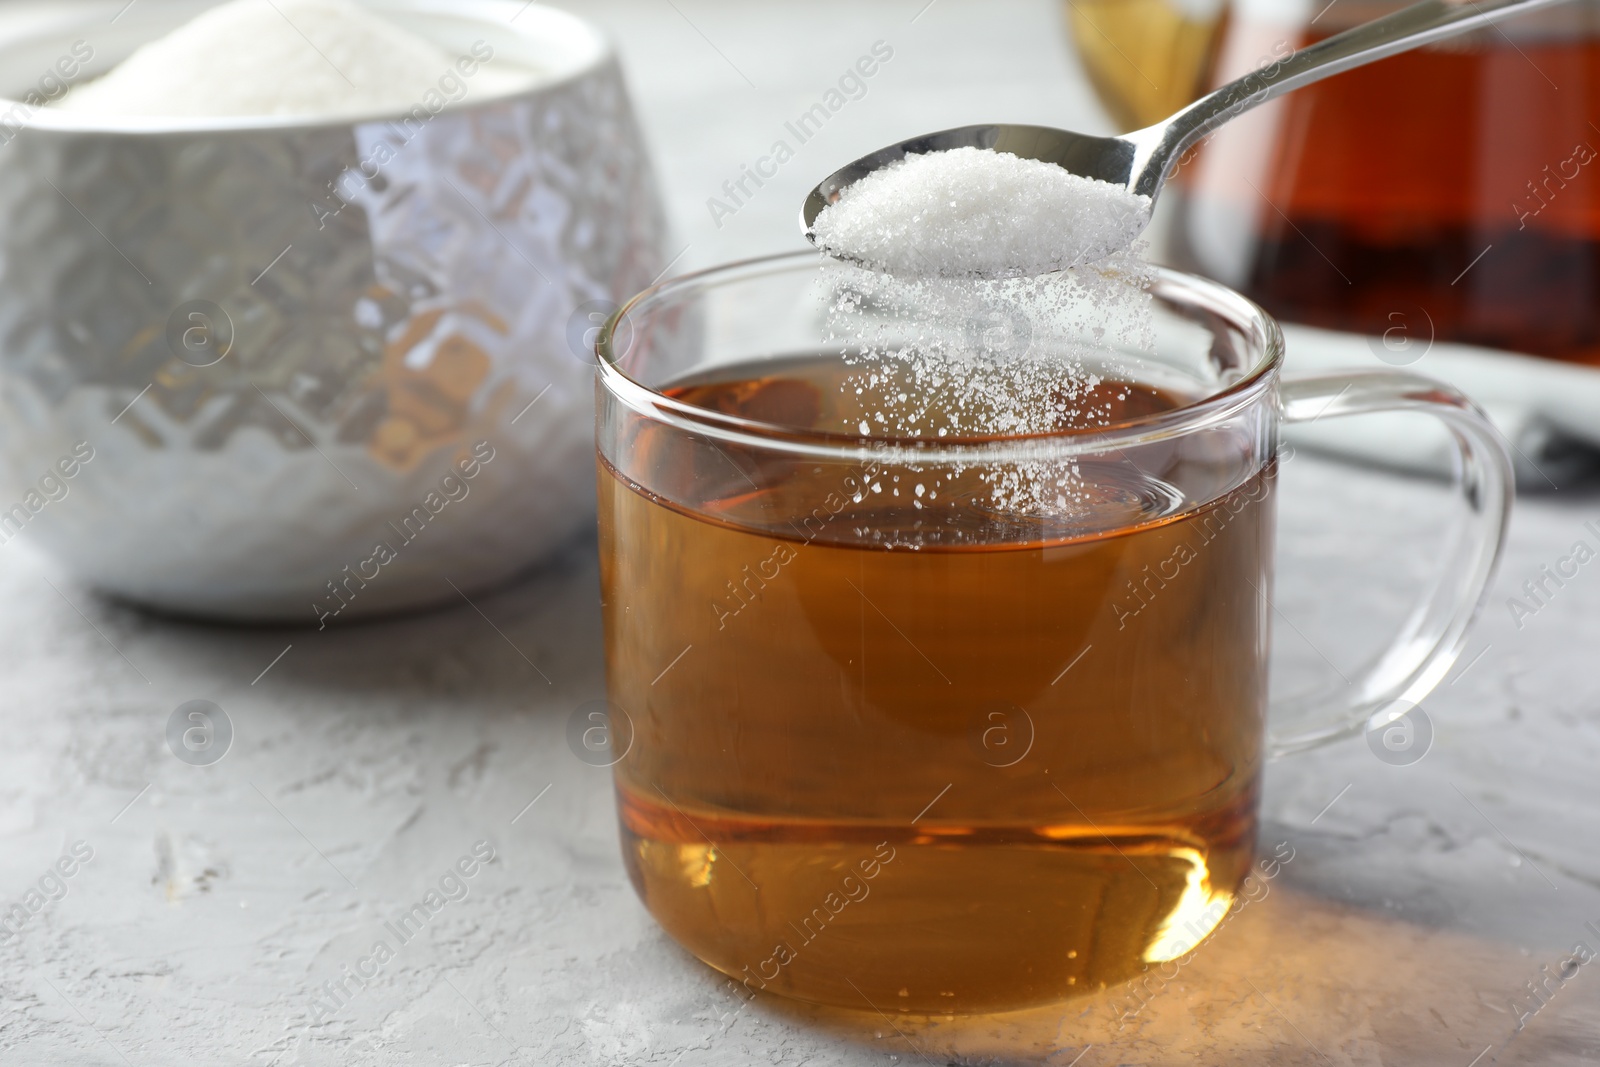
{"x":1432,"y":637}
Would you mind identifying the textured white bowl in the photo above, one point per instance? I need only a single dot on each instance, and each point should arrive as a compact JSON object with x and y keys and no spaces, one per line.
{"x":368,"y":352}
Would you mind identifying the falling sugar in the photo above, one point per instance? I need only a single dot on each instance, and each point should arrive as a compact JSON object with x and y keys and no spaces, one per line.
{"x":971,"y":212}
{"x":962,"y":358}
{"x":1003,"y":292}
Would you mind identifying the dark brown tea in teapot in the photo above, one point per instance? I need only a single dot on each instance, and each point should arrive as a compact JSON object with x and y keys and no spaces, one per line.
{"x":1450,"y":192}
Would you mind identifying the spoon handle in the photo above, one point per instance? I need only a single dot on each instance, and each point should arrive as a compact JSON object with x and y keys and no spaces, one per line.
{"x":1408,"y":28}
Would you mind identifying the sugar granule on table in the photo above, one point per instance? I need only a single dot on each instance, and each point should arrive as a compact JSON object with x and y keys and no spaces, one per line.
{"x":974,"y":212}
{"x":306,"y":58}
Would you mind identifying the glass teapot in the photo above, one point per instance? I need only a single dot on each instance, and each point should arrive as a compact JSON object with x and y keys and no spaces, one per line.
{"x":1453,"y":189}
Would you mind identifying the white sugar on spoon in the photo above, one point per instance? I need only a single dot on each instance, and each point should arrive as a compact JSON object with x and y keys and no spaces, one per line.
{"x":974,"y":212}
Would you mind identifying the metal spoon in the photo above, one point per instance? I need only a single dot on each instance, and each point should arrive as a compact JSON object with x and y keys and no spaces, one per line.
{"x":1142,"y":160}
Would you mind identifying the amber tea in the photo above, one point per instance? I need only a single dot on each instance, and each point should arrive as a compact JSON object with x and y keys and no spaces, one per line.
{"x":896,"y":745}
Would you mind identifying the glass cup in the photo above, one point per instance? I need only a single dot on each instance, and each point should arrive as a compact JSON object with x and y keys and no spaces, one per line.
{"x":963,"y":723}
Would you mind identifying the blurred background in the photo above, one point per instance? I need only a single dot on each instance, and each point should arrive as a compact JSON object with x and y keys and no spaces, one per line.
{"x":716,"y":84}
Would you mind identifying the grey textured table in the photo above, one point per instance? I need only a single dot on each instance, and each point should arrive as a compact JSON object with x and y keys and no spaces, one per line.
{"x":216,"y":904}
